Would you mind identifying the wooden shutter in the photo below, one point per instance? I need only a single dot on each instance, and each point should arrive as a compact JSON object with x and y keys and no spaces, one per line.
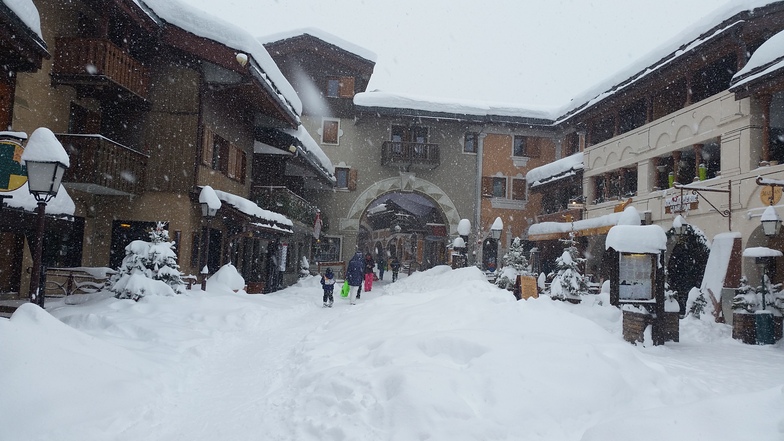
{"x":533,"y":147}
{"x":487,"y":187}
{"x":329,"y":131}
{"x":518,"y":189}
{"x":352,"y":179}
{"x":206,"y":147}
{"x":346,"y":87}
{"x":243,"y":166}
{"x":232,"y":168}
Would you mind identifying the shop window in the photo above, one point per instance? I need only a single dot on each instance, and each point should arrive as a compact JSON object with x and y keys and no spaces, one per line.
{"x":327,"y":249}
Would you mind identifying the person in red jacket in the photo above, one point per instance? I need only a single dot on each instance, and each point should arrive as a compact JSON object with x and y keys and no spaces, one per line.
{"x":370,"y":264}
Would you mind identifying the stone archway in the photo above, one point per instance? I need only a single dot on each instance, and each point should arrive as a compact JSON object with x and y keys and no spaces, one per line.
{"x":407,"y":182}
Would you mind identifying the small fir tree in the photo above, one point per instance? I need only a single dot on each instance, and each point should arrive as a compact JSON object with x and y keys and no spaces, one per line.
{"x":745,"y":299}
{"x":149,"y":267}
{"x":569,"y":282}
{"x":515,"y":264}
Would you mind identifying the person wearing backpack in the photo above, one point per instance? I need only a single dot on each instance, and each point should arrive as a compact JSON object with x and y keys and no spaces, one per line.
{"x":328,"y":284}
{"x":354,"y":276}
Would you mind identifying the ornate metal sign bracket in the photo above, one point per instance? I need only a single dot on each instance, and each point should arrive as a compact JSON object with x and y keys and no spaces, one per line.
{"x":698,"y":191}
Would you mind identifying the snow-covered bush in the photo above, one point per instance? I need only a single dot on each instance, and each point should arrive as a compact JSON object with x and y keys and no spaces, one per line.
{"x":515,"y":264}
{"x":149,"y":268}
{"x":304,"y":267}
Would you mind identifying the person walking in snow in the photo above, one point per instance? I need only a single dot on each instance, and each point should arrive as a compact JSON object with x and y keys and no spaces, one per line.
{"x":328,"y":283}
{"x":394,"y":265}
{"x":354,"y":275}
{"x":382,"y":266}
{"x":370,"y":264}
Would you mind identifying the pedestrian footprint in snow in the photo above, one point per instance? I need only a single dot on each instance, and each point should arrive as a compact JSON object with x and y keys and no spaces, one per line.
{"x":328,"y":283}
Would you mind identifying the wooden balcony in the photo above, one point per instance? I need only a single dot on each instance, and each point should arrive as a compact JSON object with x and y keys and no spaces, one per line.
{"x":410,"y":155}
{"x":284,"y":201}
{"x":102,"y":166}
{"x":96,"y":67}
{"x":567,"y":215}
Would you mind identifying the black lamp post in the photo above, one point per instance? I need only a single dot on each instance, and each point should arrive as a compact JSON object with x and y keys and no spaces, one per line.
{"x":210,"y":203}
{"x":46,"y":161}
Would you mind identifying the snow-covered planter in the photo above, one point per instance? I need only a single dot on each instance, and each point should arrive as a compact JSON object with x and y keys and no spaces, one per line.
{"x":149,"y":268}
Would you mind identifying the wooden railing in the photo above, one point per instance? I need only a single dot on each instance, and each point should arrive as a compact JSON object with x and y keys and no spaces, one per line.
{"x":284,"y":201}
{"x":104,"y":166}
{"x":82,"y":59}
{"x":410,"y":154}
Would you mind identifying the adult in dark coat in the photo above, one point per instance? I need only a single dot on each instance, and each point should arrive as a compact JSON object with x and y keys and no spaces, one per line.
{"x":355,"y":274}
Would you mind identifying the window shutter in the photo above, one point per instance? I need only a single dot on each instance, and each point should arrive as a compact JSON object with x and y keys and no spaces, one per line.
{"x":533,"y":148}
{"x":518,"y":189}
{"x":352,"y":179}
{"x":232,"y":169}
{"x":487,"y":187}
{"x":206,"y":149}
{"x":243,"y":166}
{"x":329,"y":130}
{"x":346,"y":87}
{"x":224,"y":156}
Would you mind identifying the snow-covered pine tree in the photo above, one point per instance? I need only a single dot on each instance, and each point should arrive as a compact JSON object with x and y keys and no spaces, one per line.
{"x":149,"y":268}
{"x":745,"y":299}
{"x":568,"y":282}
{"x":515,"y":264}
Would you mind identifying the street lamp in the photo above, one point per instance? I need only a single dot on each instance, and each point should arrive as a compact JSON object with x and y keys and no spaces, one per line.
{"x":496,"y":228}
{"x":679,"y":225}
{"x":771,"y":222}
{"x":464,"y":230}
{"x":210,"y":204}
{"x":46,"y":161}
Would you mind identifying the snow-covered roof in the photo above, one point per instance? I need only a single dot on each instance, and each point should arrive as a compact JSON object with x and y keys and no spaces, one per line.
{"x":768,"y":58}
{"x":313,"y":150}
{"x":209,"y":26}
{"x":636,"y":239}
{"x":251,"y":209}
{"x":380,"y":99}
{"x":27,"y":12}
{"x":555,"y":170}
{"x":324,"y":36}
{"x":724,"y":19}
{"x":548,"y":228}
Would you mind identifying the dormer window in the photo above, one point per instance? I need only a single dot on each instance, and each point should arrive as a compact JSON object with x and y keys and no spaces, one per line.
{"x":340,"y":87}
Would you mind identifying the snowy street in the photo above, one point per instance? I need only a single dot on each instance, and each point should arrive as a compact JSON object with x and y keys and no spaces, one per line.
{"x":438,"y":355}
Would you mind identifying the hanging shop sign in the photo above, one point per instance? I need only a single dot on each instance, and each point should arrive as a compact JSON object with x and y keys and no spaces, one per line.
{"x":680,"y":204}
{"x":770,"y":194}
{"x":12,"y":173}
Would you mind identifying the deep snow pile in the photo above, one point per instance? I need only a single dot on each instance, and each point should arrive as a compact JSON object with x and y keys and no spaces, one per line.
{"x":438,"y":355}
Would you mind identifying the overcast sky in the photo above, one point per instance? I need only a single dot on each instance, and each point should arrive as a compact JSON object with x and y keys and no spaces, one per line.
{"x":534,"y":53}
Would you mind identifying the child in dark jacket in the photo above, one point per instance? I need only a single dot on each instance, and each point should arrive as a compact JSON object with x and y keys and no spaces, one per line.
{"x":328,"y":283}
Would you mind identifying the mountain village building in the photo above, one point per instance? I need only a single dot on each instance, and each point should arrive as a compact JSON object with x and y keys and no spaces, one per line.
{"x":310,"y":164}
